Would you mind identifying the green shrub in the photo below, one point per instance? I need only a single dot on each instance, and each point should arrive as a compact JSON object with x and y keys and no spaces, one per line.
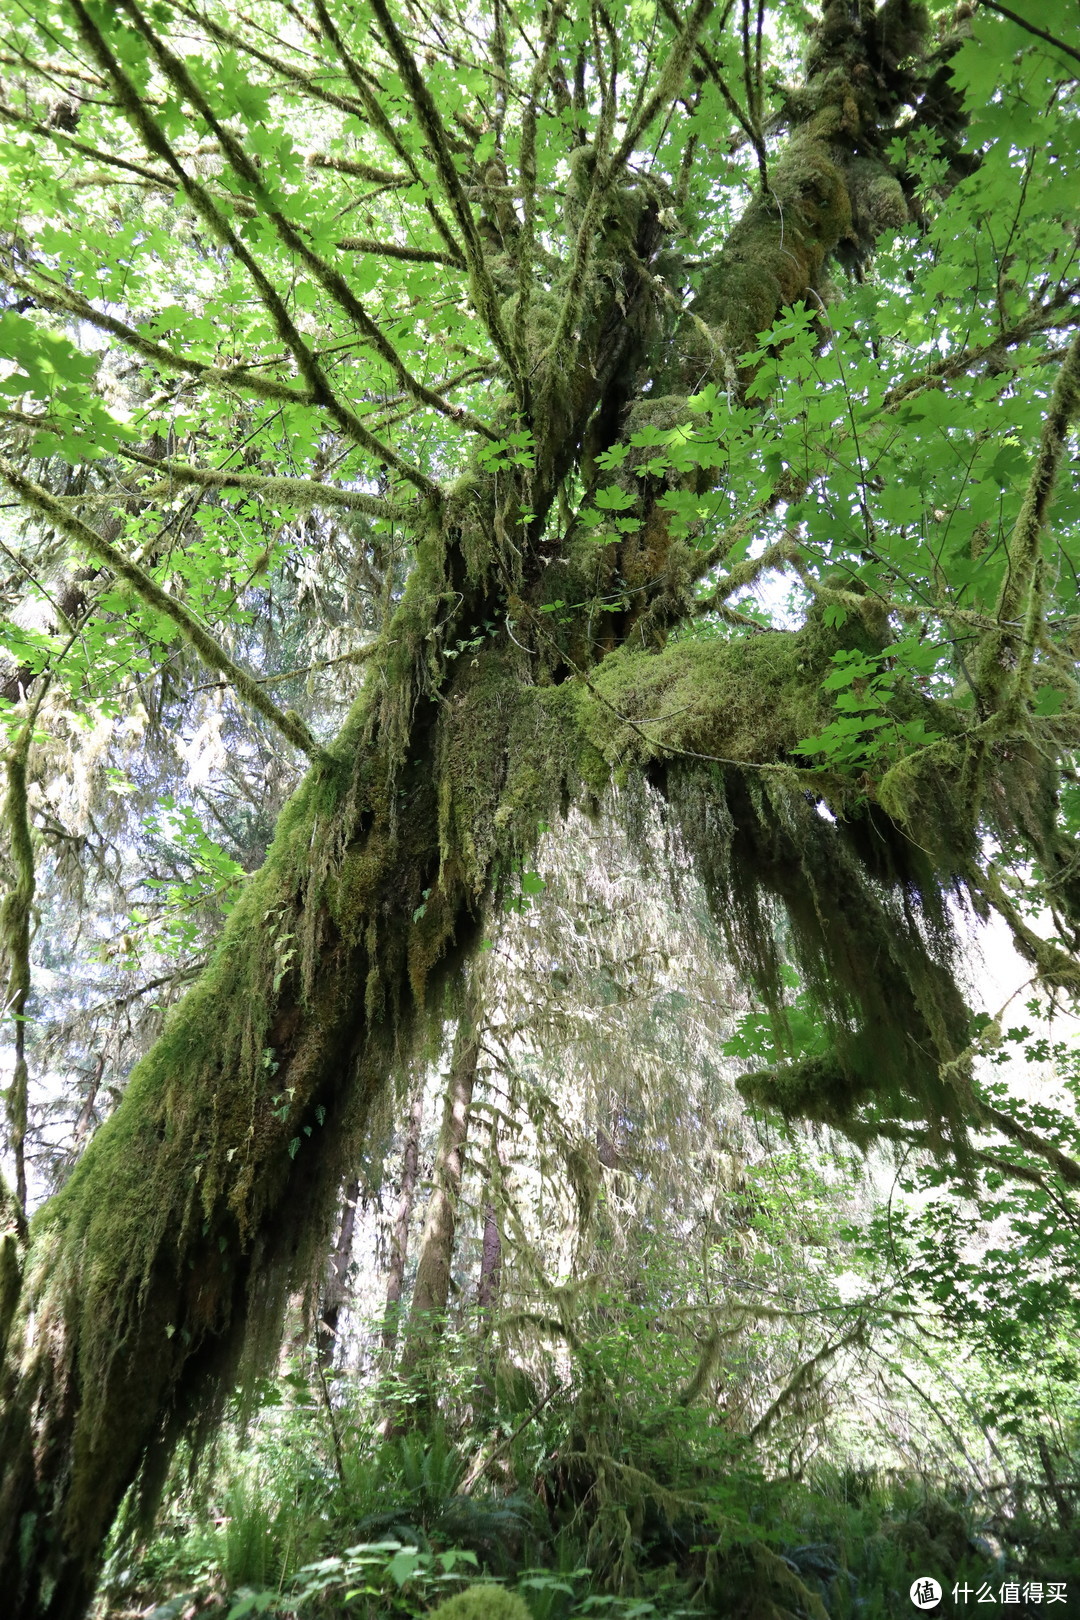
{"x":483,"y":1603}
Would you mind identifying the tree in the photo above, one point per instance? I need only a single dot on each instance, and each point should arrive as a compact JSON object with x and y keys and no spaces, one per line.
{"x":586,"y":380}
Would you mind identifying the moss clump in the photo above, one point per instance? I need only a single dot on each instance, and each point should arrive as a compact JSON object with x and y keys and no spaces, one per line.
{"x":483,"y":1603}
{"x":778,"y":251}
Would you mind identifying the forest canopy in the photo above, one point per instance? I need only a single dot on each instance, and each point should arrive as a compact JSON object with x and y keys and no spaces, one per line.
{"x":541,"y":539}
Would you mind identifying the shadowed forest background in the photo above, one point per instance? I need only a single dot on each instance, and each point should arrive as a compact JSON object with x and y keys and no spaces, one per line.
{"x":541,"y":887}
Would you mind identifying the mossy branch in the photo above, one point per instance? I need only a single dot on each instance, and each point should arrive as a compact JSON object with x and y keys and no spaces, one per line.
{"x":363,"y":171}
{"x":394,"y":250}
{"x":608,"y":171}
{"x":708,"y":1362}
{"x":379,"y":120}
{"x":1020,"y":596}
{"x":301,"y":493}
{"x":804,"y":1377}
{"x":1055,"y":967}
{"x":484,"y":292}
{"x":65,"y":301}
{"x":713,"y":69}
{"x":69,"y":143}
{"x":210,"y":651}
{"x":527,"y":169}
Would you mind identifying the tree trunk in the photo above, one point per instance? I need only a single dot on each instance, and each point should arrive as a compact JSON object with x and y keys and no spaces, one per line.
{"x":336,"y":1290}
{"x":487,"y":1290}
{"x":399,"y":1237}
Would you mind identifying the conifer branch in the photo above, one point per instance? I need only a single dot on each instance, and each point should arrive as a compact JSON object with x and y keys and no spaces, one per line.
{"x":211,"y":652}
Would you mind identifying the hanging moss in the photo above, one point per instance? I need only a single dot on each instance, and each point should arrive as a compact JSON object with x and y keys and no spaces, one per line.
{"x":859,"y":909}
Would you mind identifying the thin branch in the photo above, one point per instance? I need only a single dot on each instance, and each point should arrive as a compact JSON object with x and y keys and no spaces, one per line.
{"x":364,"y":171}
{"x":527,"y":170}
{"x":715,"y":73}
{"x":329,"y":278}
{"x":484,"y":291}
{"x":1031,"y":28}
{"x":607,"y":172}
{"x":201,"y":199}
{"x":380,"y":121}
{"x":212,"y":653}
{"x":1019,"y":595}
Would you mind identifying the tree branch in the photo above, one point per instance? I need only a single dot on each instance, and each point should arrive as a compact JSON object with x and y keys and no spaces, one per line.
{"x":330,"y":279}
{"x":487,"y":299}
{"x":212,"y":653}
{"x":200,"y":198}
{"x":1031,"y":28}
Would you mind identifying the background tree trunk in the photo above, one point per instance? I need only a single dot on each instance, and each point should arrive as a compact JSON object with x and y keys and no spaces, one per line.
{"x":399,"y":1236}
{"x":487,"y":1291}
{"x":431,"y":1291}
{"x":336,"y":1291}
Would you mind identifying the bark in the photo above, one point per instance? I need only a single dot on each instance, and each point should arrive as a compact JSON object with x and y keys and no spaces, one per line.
{"x":336,"y":1291}
{"x":399,"y":1237}
{"x":487,"y":1290}
{"x":161,"y":1268}
{"x":434,"y":1267}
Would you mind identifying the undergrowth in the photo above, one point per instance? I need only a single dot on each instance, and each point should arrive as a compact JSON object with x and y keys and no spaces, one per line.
{"x":578,"y":1511}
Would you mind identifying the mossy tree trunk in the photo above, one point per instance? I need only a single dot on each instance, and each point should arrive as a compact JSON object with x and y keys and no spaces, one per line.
{"x":160,"y":1270}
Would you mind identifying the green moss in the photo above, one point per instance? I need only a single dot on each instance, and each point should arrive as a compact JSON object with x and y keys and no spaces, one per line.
{"x":778,"y":251}
{"x":483,"y":1603}
{"x":861,"y":910}
{"x":749,"y":699}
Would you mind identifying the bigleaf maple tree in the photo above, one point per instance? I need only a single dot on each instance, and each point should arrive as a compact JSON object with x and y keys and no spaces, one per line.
{"x":698,"y":380}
